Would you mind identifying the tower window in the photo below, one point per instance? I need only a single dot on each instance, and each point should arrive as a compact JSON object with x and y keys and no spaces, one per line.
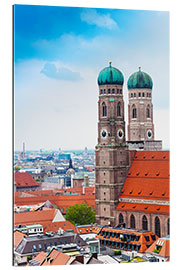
{"x":131,"y":94}
{"x":148,"y":112}
{"x":121,"y":91}
{"x":104,"y":109}
{"x":149,"y":94}
{"x":134,"y":113}
{"x":104,"y":91}
{"x":139,"y":94}
{"x":109,"y":91}
{"x":143,"y":94}
{"x":118,"y":109}
{"x":113,"y":91}
{"x":101,"y":91}
{"x":117,"y":91}
{"x":134,"y":94}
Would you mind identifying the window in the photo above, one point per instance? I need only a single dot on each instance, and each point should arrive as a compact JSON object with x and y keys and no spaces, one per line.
{"x":121,"y":91}
{"x":113,"y":91}
{"x":157,"y":227}
{"x":134,"y":94}
{"x":117,"y":91}
{"x":101,"y":91}
{"x":147,"y":238}
{"x":147,"y":94}
{"x":121,"y":219}
{"x":40,"y":247}
{"x":153,"y":237}
{"x":132,"y":222}
{"x":139,"y":94}
{"x":104,"y":109}
{"x":143,"y":94}
{"x":144,"y":223}
{"x":118,"y":109}
{"x":109,"y":91}
{"x":134,"y":113}
{"x":148,"y":112}
{"x":104,"y":91}
{"x":131,"y":94}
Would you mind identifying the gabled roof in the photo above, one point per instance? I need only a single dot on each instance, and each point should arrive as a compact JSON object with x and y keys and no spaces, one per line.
{"x":164,"y":243}
{"x":55,"y":257}
{"x":18,"y":236}
{"x":37,"y":260}
{"x":26,"y":218}
{"x":24,"y":179}
{"x":148,"y":176}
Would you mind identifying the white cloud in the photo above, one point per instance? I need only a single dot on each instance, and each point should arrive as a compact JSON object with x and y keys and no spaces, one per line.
{"x":91,"y":16}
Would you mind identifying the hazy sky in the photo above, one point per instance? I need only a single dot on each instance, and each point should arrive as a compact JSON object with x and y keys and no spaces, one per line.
{"x":58,"y":54}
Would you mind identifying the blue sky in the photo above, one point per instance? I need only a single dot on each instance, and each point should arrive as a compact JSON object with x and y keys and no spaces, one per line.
{"x":58,"y":54}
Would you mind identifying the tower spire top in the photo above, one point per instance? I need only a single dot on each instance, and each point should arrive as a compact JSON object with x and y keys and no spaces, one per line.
{"x":110,"y":62}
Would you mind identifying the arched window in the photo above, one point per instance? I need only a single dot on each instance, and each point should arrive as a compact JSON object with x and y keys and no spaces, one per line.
{"x":134,"y":114}
{"x":148,"y":112}
{"x":104,"y":109}
{"x":121,"y":219}
{"x":157,"y":227}
{"x":144,"y":223}
{"x":119,"y":109}
{"x":132,"y":222}
{"x":168,"y":227}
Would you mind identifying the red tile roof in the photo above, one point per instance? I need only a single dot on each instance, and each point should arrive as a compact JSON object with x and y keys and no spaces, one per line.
{"x":142,"y":207}
{"x":164,"y":251}
{"x":62,"y":201}
{"x":148,"y":176}
{"x":27,"y":218}
{"x":88,"y":229}
{"x":142,"y":240}
{"x":18,"y":236}
{"x":39,"y":258}
{"x":56,"y":257}
{"x":24,"y":179}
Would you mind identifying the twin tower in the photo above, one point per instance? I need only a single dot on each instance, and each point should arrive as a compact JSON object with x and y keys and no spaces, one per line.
{"x":112,"y":150}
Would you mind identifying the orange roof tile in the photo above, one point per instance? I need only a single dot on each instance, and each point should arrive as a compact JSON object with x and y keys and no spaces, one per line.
{"x":56,"y":258}
{"x":24,"y":179}
{"x":61,"y":201}
{"x":148,"y":176}
{"x":142,"y":207}
{"x":142,"y":241}
{"x":18,"y":236}
{"x":27,"y":218}
{"x":54,"y":226}
{"x":164,"y":252}
{"x":40,"y":257}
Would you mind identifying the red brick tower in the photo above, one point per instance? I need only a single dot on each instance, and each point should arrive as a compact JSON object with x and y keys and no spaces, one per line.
{"x":112,"y":156}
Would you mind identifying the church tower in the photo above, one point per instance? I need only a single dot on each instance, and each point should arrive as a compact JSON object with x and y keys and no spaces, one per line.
{"x":140,"y":108}
{"x":112,"y":156}
{"x":140,"y":113}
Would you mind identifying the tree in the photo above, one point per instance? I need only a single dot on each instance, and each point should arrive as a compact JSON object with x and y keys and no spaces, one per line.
{"x":80,"y":214}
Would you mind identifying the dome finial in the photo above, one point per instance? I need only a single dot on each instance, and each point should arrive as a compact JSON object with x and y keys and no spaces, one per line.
{"x":139,"y":68}
{"x":110,"y":62}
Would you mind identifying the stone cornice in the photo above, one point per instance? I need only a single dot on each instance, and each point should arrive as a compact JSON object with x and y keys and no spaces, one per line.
{"x":144,"y":201}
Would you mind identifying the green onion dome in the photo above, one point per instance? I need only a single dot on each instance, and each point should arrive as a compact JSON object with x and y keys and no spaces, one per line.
{"x":140,"y":80}
{"x":110,"y":75}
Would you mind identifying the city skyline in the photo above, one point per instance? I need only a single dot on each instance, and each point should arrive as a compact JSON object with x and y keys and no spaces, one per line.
{"x":57,"y":62}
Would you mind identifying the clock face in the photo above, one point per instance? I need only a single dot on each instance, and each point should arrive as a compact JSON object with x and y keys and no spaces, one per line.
{"x":149,"y":133}
{"x":104,"y":133}
{"x":120,"y":133}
